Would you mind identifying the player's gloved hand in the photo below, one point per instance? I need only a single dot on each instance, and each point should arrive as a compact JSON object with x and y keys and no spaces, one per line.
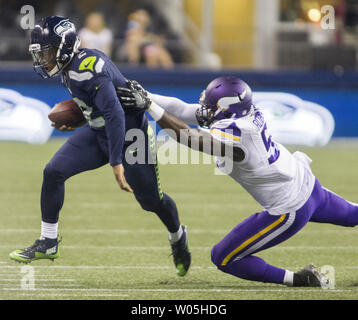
{"x":135,"y":96}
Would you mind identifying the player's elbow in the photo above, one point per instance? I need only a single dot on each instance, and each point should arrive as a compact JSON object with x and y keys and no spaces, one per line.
{"x":113,"y":113}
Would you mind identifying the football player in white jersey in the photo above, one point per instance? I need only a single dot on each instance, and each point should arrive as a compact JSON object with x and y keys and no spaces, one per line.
{"x":281,"y":182}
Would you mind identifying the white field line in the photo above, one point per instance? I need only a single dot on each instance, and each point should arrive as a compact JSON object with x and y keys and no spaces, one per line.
{"x":143,"y":267}
{"x":104,"y":267}
{"x":41,"y":277}
{"x":44,"y":286}
{"x":14,"y":279}
{"x":120,"y":231}
{"x":165,"y":248}
{"x":72,"y":295}
{"x":214,"y":290}
{"x":161,"y":231}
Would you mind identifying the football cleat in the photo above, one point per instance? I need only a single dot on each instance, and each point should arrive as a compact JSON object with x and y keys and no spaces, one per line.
{"x":310,"y":277}
{"x":181,"y":254}
{"x":43,"y":248}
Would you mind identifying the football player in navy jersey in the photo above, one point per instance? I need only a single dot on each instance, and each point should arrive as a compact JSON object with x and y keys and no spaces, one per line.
{"x":92,"y":78}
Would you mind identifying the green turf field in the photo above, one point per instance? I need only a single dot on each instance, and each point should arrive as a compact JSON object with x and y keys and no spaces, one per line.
{"x":111,"y":249}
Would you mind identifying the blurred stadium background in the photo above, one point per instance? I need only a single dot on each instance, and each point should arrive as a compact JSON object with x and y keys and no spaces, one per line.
{"x":175,"y":47}
{"x":249,"y":34}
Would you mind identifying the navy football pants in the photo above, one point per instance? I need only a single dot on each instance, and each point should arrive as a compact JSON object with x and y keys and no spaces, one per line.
{"x":86,"y":150}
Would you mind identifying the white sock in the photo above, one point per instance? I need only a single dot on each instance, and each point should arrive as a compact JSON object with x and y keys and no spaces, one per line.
{"x":49,"y":230}
{"x":288,"y":278}
{"x":174,"y":237}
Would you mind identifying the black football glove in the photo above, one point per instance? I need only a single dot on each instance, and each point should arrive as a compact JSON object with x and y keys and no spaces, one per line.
{"x":135,"y":96}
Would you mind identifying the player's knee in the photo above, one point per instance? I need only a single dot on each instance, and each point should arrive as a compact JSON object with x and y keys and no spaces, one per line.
{"x":351,"y":222}
{"x":216,"y":255}
{"x":157,"y":204}
{"x":150,"y":204}
{"x":53,"y":173}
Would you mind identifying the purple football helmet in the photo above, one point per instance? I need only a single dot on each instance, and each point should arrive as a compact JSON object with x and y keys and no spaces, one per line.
{"x":223,"y":98}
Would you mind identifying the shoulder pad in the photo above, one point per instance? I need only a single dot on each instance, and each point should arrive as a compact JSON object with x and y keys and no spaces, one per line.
{"x":247,"y":124}
{"x":226,"y":130}
{"x":86,"y":65}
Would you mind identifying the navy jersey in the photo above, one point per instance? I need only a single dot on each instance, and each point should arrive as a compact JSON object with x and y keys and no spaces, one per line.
{"x":91,"y":79}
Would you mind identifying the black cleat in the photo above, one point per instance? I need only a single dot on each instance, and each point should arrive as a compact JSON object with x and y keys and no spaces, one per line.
{"x":310,"y":277}
{"x":181,"y":254}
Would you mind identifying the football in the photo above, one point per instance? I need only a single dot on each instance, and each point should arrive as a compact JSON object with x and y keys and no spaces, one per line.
{"x":67,"y":113}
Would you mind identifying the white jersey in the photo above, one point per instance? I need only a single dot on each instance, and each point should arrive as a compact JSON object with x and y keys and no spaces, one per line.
{"x":279,"y":181}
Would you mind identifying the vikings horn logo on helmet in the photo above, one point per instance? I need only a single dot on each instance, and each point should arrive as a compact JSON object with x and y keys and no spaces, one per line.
{"x":224,"y":103}
{"x":242,"y":95}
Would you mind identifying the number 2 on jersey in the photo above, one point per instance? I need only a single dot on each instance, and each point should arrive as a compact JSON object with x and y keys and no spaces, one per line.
{"x":271,"y":146}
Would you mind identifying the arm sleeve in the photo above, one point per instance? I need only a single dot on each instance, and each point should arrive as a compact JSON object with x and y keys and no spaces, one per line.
{"x":107,"y":102}
{"x":177,"y":107}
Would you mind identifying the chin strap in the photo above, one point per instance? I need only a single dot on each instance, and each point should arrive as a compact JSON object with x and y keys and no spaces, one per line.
{"x":63,"y":61}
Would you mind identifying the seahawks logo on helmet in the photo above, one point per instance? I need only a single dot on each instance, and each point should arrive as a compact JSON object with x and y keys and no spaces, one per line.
{"x":63,"y":26}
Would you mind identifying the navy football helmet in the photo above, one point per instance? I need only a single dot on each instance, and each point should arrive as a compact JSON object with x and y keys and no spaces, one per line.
{"x":223,"y":98}
{"x":53,"y":45}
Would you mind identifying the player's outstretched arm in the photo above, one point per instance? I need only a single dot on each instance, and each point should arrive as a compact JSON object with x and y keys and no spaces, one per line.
{"x":129,"y":98}
{"x":136,"y":97}
{"x":178,"y":108}
{"x":193,"y":138}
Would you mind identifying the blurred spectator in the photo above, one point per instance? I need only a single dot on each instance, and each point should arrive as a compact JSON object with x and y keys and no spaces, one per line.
{"x":351,"y":14}
{"x":142,"y":46}
{"x":161,"y":26}
{"x":95,"y":34}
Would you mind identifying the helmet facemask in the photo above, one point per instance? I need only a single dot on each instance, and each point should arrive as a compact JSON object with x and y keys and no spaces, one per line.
{"x":49,"y":59}
{"x":45,"y":60}
{"x":205,"y":114}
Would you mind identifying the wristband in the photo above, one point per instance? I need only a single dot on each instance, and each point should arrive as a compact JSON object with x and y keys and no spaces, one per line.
{"x":155,"y":111}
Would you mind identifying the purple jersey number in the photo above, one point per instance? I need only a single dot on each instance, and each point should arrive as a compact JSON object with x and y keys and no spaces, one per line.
{"x":271,"y":146}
